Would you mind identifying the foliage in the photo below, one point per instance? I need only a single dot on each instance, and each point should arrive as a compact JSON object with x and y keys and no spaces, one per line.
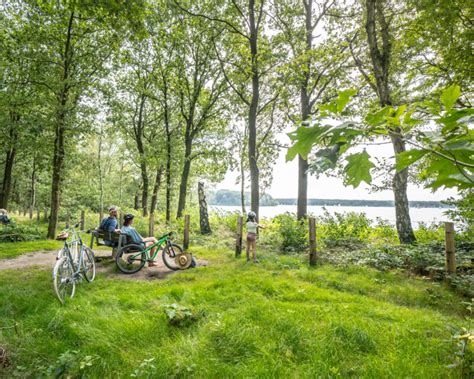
{"x":425,"y":259}
{"x":447,"y":150}
{"x":265,"y":311}
{"x":343,"y":228}
{"x":14,"y":232}
{"x":463,"y":213}
{"x":293,"y":232}
{"x":464,"y":355}
{"x":179,"y":315}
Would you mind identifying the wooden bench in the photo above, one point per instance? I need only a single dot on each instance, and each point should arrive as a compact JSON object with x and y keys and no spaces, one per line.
{"x":100,"y":236}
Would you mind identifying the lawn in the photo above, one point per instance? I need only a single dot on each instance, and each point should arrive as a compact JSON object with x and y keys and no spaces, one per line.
{"x":14,"y":249}
{"x":277,"y":318}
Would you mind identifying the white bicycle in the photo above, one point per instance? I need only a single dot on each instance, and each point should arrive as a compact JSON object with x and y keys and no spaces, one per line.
{"x":73,"y":262}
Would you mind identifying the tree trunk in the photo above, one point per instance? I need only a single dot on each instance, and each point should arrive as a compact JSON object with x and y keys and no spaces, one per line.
{"x":58,"y":155}
{"x":101,"y":181}
{"x":399,"y":185}
{"x":138,"y":128}
{"x":252,"y":116}
{"x":136,"y":201}
{"x":5,"y":190}
{"x":156,"y":188}
{"x":58,"y":165}
{"x":203,"y":215}
{"x":168,"y":180}
{"x":381,"y":63}
{"x":121,"y":183}
{"x":7,"y":178}
{"x":242,"y":185}
{"x":302,"y":203}
{"x":33,"y":184}
{"x":184,"y":176}
{"x":168,"y":149}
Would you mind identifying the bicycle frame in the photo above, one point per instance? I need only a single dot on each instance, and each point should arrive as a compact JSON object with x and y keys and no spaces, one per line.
{"x":76,"y":240}
{"x":163,"y":240}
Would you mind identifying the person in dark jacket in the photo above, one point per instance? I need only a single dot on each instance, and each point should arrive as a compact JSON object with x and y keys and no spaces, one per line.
{"x":110,"y":224}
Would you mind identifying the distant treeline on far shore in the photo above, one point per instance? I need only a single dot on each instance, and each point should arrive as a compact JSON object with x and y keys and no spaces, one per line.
{"x":226,"y":197}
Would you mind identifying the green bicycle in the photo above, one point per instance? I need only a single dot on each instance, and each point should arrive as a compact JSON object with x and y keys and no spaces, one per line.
{"x":73,"y":262}
{"x":132,"y":257}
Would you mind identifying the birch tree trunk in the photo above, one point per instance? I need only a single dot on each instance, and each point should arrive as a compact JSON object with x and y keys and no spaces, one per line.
{"x":380,"y":58}
{"x":203,"y":214}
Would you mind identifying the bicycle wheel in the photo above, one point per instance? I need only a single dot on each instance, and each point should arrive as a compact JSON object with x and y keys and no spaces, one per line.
{"x":129,"y":260}
{"x":169,"y":254}
{"x":63,"y":281}
{"x":88,"y":264}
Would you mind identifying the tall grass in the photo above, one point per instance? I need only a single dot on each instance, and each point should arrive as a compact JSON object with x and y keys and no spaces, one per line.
{"x":276,"y":319}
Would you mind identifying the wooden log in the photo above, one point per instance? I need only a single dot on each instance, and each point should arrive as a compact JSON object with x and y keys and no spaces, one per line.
{"x":450,"y":249}
{"x":238,"y":242}
{"x":186,"y":232}
{"x":313,"y":257}
{"x":83,"y":219}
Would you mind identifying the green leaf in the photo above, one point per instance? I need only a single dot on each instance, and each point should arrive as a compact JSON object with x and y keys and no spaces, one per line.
{"x":463,"y":144}
{"x":379,"y":117}
{"x":450,"y":95}
{"x":343,"y":98}
{"x":358,"y":169}
{"x":407,"y":158}
{"x":305,"y":139}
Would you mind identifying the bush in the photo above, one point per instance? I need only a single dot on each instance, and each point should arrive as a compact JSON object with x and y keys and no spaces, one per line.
{"x":293,"y":232}
{"x":18,"y":233}
{"x":426,"y":233}
{"x":344,"y":227}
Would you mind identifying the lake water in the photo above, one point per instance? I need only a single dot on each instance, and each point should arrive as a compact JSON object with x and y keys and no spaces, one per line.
{"x":417,"y":215}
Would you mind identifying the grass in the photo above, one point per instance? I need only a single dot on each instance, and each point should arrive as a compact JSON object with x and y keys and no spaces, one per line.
{"x":14,"y":249}
{"x":274,"y":319}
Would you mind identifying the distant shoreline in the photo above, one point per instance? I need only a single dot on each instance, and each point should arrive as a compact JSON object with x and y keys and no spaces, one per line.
{"x":341,"y":202}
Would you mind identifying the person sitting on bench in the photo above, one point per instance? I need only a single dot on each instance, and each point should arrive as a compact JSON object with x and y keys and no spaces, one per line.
{"x":110,"y":224}
{"x":4,"y":217}
{"x":137,"y":238}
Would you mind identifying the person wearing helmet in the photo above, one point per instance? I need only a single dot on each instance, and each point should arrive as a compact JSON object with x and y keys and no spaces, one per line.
{"x":252,"y":227}
{"x":130,"y":231}
{"x":110,"y":224}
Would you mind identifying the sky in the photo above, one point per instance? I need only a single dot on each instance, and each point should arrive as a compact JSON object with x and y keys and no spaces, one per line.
{"x":285,"y":182}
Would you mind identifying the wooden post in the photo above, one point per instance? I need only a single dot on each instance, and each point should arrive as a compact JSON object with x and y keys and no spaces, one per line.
{"x":45,"y":218}
{"x":151,"y":225}
{"x":120,"y":220}
{"x":37,"y":214}
{"x":83,"y":219}
{"x":31,"y":212}
{"x":450,"y":251}
{"x":186,"y":233}
{"x":313,"y":257}
{"x":68,"y":220}
{"x":238,"y":243}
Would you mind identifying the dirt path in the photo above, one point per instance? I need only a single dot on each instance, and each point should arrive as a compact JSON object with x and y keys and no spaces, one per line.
{"x":48,"y":258}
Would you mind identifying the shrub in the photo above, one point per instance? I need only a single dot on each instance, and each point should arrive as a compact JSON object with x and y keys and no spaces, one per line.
{"x":426,"y":233}
{"x":181,"y":316}
{"x":293,"y":232}
{"x":343,"y":227}
{"x":18,"y":233}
